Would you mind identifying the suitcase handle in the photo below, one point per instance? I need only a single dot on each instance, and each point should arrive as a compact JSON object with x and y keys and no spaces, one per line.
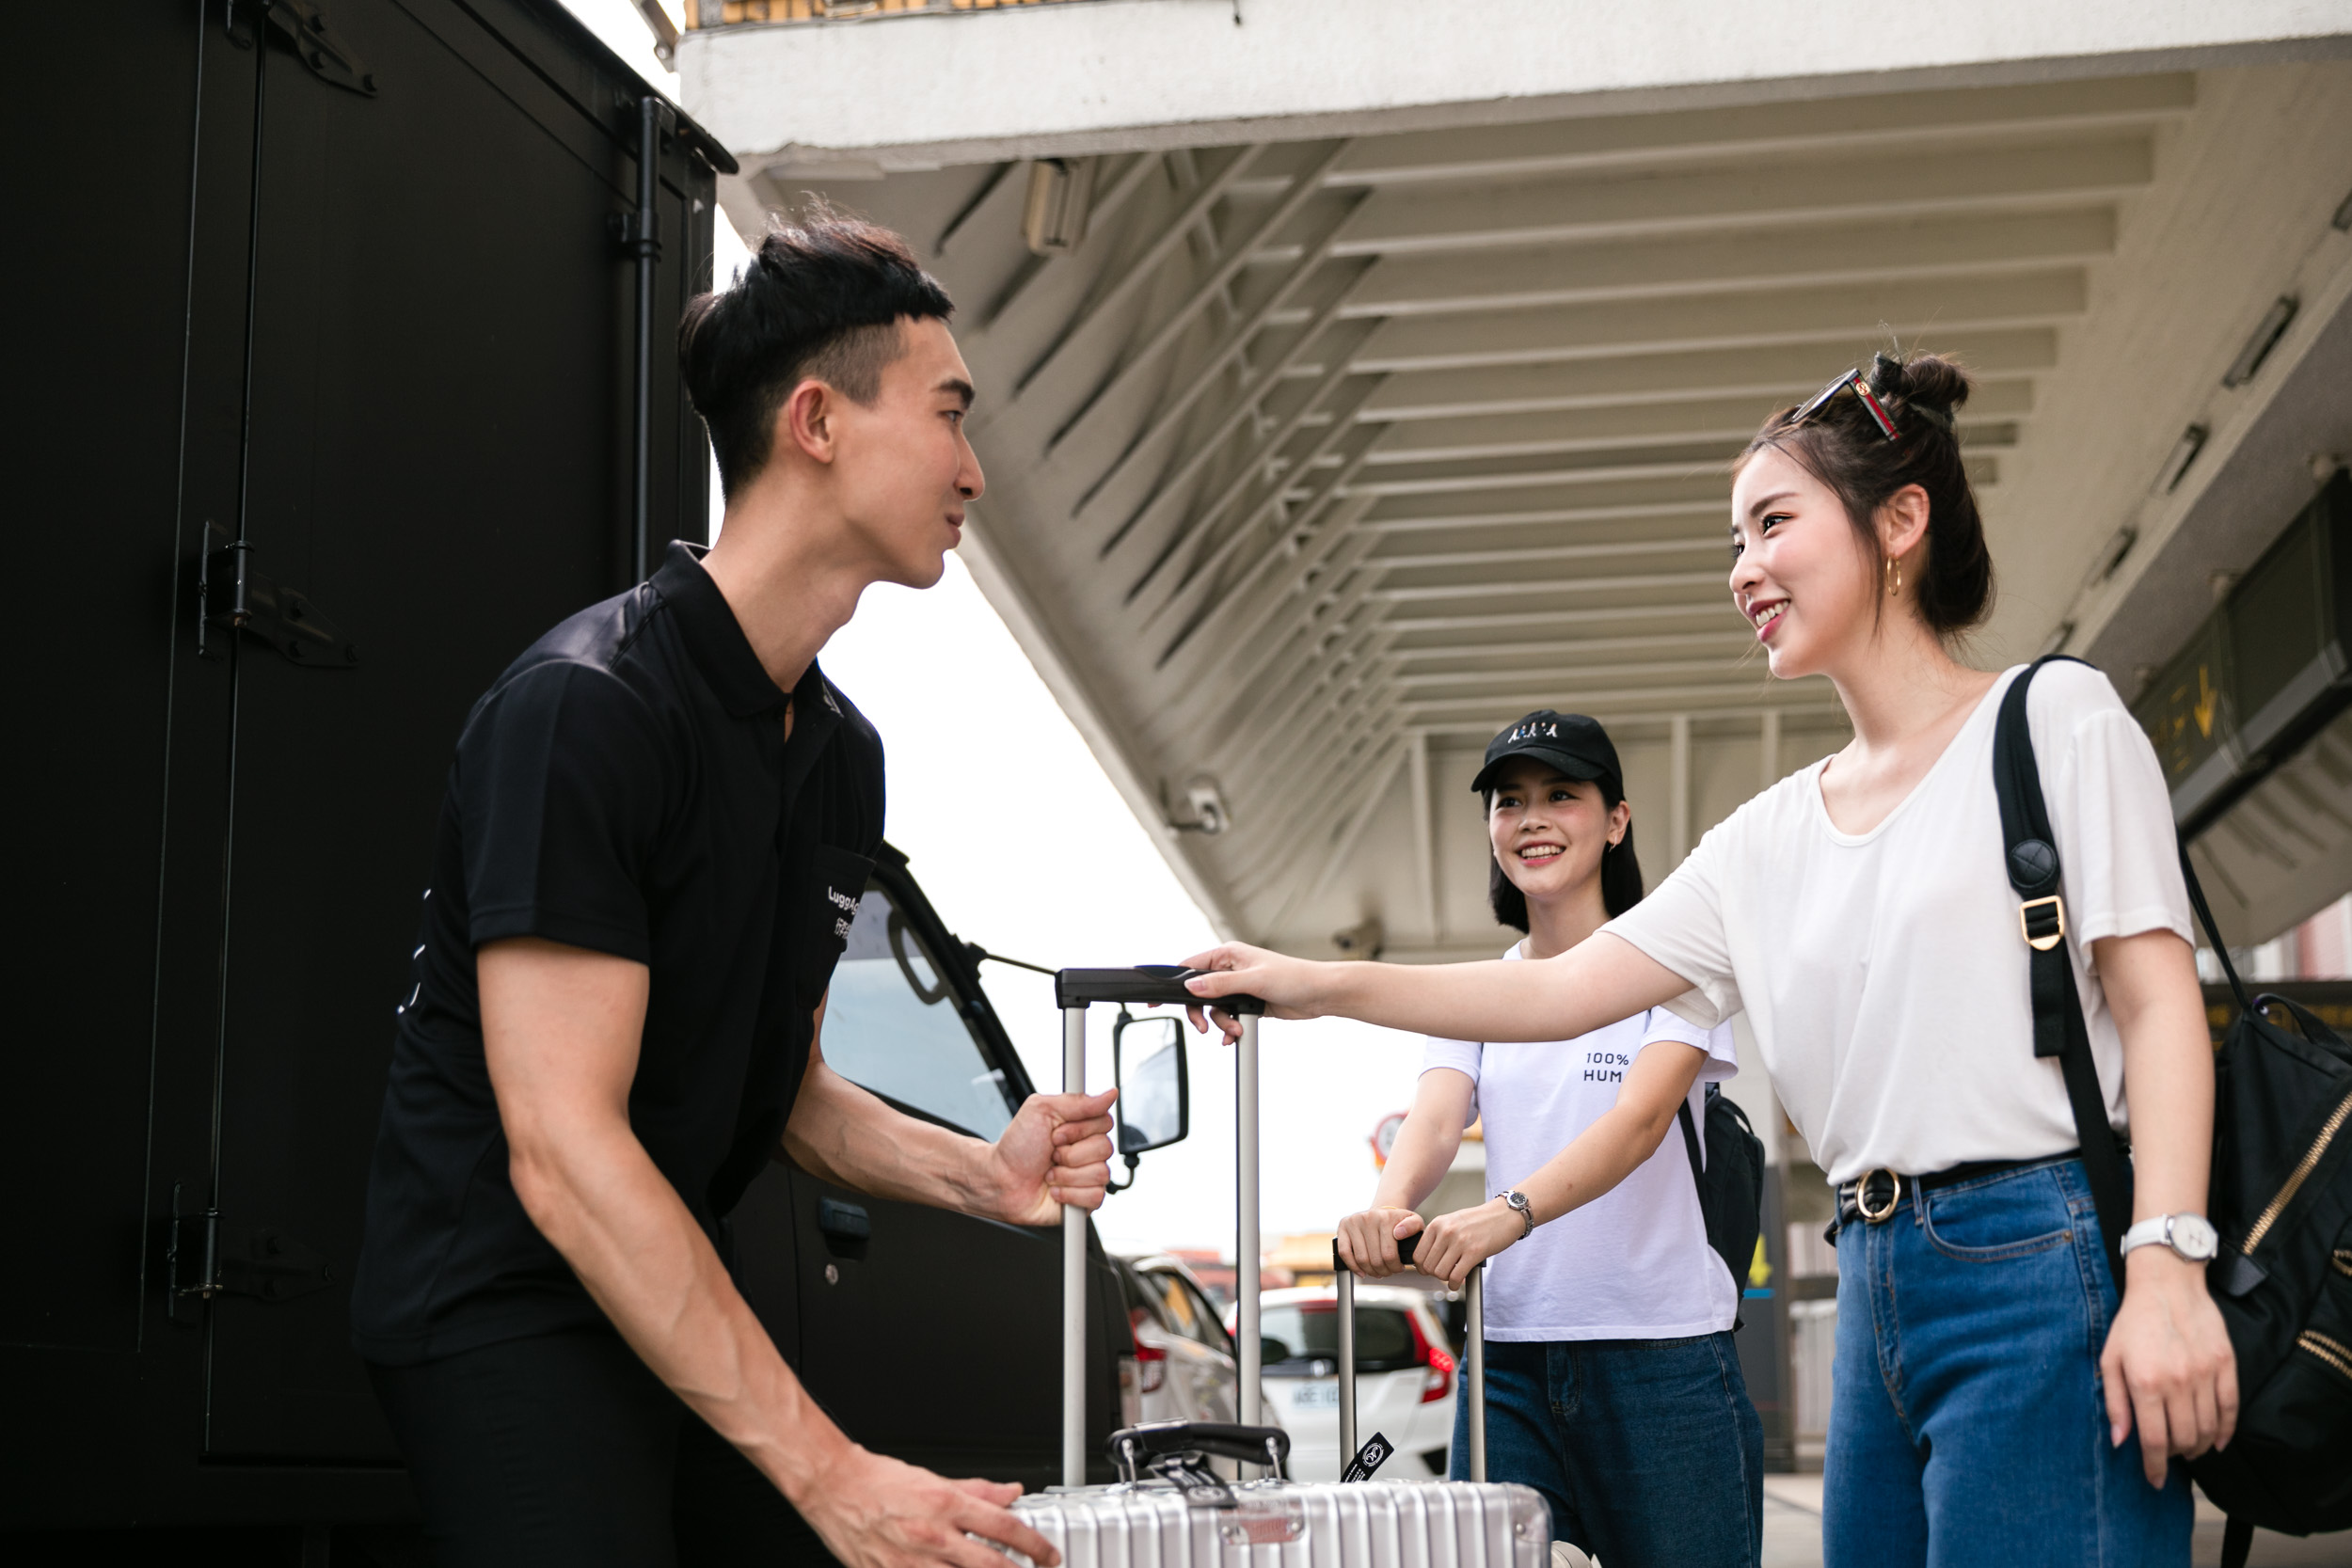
{"x":1129,"y":1446}
{"x":1145,"y":985}
{"x":1403,"y":1251}
{"x":1473,"y":1373}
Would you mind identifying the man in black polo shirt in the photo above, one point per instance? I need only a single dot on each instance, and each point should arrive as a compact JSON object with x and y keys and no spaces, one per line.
{"x":657,"y":826}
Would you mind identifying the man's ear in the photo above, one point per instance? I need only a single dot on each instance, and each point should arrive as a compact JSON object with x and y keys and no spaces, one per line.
{"x":806,"y":420}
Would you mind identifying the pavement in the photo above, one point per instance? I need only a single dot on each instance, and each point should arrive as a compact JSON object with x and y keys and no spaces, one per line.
{"x":1792,"y":1533}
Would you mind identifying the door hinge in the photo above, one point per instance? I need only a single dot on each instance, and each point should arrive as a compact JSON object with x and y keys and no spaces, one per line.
{"x":205,"y":1259}
{"x":232,"y":595}
{"x":303,"y":24}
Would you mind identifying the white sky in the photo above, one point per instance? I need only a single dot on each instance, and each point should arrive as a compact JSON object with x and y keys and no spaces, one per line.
{"x":1026,"y":849}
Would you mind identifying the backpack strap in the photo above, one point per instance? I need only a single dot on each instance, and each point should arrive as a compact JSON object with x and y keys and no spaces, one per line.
{"x":1698,"y":1178}
{"x":2031,"y":857}
{"x":2237,"y":1539}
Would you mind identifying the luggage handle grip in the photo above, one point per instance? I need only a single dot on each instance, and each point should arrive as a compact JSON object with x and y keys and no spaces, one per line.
{"x":1403,"y":1251}
{"x":1129,"y":1446}
{"x":1145,"y":985}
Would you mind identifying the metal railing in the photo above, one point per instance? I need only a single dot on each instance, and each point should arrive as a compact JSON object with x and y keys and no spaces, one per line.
{"x":721,"y":13}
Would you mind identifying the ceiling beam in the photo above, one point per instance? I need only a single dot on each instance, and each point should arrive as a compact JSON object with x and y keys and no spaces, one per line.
{"x":1781,"y":370}
{"x":1689,"y":266}
{"x":1167,"y":420}
{"x":1210,"y":286}
{"x":1568,"y":699}
{"x":1712,"y":322}
{"x":1134,"y":273}
{"x":1765,"y":130}
{"x":1607,"y":427}
{"x":1406,"y":219}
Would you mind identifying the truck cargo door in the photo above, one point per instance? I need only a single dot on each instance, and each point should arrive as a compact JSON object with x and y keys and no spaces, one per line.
{"x":436,"y":467}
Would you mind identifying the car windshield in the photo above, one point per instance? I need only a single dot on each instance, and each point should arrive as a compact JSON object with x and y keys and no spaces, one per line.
{"x":1310,"y":1330}
{"x":1187,"y":1311}
{"x":893,"y":1025}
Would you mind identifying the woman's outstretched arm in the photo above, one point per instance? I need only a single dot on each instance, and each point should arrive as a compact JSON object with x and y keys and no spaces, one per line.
{"x":1599,"y":981}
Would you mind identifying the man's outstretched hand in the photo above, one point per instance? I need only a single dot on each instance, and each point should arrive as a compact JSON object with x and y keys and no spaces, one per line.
{"x":1057,"y":1151}
{"x":877,"y":1513}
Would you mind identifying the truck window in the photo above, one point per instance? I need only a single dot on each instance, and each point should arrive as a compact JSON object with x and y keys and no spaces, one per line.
{"x":893,"y":1026}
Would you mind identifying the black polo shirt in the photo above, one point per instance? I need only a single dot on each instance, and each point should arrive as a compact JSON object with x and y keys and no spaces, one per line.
{"x":625,"y":787}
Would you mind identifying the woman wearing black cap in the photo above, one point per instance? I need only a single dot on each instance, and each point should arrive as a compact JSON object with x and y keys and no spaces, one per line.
{"x":1991,"y":1367}
{"x":1612,"y":1386}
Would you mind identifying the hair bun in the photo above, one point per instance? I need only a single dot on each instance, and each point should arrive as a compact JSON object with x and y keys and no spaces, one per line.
{"x":1927,"y":383}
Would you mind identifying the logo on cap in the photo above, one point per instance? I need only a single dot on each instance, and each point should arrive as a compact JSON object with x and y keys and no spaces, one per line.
{"x":1548,"y":729}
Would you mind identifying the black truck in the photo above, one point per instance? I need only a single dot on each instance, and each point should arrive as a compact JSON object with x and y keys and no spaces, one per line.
{"x":340,"y":334}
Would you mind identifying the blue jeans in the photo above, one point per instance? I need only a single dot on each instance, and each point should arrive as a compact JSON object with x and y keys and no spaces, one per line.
{"x":1967,"y":1423}
{"x":1647,"y":1450}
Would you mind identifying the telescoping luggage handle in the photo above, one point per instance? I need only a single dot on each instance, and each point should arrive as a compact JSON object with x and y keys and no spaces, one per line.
{"x":1154,"y":986}
{"x":1473,"y":1358}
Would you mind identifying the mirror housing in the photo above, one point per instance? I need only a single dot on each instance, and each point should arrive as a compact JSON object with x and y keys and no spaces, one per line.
{"x":1154,"y":1108}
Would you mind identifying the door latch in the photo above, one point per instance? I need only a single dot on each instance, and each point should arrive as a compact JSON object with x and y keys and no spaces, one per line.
{"x":233,"y":595}
{"x":304,"y":25}
{"x":204,"y":1258}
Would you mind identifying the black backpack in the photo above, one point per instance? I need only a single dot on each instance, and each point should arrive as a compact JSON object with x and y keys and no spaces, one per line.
{"x":2280,"y":1191}
{"x":1731,"y":1185}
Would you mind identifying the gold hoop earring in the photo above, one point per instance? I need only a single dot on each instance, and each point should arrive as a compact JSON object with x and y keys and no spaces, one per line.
{"x":1894,"y":576}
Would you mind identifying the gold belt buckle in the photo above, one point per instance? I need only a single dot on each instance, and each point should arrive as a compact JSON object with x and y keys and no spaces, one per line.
{"x":1862,"y":1195}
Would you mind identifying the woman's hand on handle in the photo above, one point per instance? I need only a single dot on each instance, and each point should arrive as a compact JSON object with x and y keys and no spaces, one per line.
{"x":1459,"y":1242}
{"x":1285,"y":985}
{"x":1368,"y":1240}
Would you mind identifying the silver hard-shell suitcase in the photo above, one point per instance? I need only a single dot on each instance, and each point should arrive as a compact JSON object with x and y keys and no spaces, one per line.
{"x":1171,"y":1511}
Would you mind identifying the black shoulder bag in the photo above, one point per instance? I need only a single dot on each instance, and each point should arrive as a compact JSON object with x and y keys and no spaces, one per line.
{"x":2280,"y":1192}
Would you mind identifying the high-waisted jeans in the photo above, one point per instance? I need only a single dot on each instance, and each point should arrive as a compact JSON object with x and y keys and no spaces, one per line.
{"x":1647,"y":1450}
{"x":1968,"y":1424}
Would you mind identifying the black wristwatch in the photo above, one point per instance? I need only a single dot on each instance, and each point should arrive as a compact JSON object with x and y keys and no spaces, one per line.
{"x":1526,"y":1211}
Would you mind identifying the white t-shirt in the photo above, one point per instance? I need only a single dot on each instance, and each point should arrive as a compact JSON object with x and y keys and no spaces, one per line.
{"x":1634,"y":1262}
{"x":1884,"y":974}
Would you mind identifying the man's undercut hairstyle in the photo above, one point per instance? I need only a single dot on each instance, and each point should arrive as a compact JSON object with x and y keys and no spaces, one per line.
{"x":821,"y":299}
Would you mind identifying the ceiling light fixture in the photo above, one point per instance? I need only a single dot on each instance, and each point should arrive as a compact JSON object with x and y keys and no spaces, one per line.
{"x":2258,"y":347}
{"x":2183,"y":452}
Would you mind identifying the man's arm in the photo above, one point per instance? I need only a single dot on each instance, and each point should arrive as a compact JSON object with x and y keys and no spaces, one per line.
{"x":1057,"y":1151}
{"x":561,"y":1030}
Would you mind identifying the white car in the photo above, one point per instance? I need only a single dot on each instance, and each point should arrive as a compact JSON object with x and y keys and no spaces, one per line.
{"x":1183,"y":1368}
{"x":1405,"y":1378}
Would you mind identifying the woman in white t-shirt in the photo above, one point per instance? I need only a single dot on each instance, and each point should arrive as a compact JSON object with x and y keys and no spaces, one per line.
{"x":1988,"y":1376}
{"x":1613,"y":1385}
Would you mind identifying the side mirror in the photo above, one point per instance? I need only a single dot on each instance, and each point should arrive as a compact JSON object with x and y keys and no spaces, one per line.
{"x":1272,"y":1351}
{"x":1154,"y":1108}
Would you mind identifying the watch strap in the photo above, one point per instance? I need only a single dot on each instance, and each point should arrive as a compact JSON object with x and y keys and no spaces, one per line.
{"x":2155,"y":1230}
{"x":1520,"y":1205}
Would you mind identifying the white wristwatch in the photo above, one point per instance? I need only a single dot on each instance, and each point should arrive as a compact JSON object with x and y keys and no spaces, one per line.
{"x":2192,"y":1236}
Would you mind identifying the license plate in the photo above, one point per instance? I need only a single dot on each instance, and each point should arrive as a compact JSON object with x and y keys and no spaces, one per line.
{"x":1316,"y":1396}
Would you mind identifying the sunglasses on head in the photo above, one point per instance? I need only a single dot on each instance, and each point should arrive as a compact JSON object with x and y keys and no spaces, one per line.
{"x":1871,"y":403}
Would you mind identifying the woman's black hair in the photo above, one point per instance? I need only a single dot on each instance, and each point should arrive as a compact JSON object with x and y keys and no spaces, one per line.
{"x":1620,"y":870}
{"x":1843,"y":448}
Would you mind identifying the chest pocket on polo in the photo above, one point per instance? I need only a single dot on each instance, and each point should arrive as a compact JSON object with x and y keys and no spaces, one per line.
{"x":828,"y":899}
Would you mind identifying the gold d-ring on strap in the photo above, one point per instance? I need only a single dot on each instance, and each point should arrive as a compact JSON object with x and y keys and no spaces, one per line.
{"x":1862,"y":1195}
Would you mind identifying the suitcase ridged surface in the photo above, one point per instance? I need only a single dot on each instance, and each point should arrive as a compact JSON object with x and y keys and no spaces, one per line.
{"x":1363,"y":1525}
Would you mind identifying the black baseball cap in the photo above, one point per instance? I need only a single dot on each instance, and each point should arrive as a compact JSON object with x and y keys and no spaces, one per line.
{"x":1576,"y":745}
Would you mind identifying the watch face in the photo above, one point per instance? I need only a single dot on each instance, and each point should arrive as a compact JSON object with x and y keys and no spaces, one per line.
{"x":2194,"y":1237}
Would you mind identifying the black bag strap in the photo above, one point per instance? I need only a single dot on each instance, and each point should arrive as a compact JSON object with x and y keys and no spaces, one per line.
{"x":2030,"y":856}
{"x":1698,"y":1180}
{"x":2213,"y":933}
